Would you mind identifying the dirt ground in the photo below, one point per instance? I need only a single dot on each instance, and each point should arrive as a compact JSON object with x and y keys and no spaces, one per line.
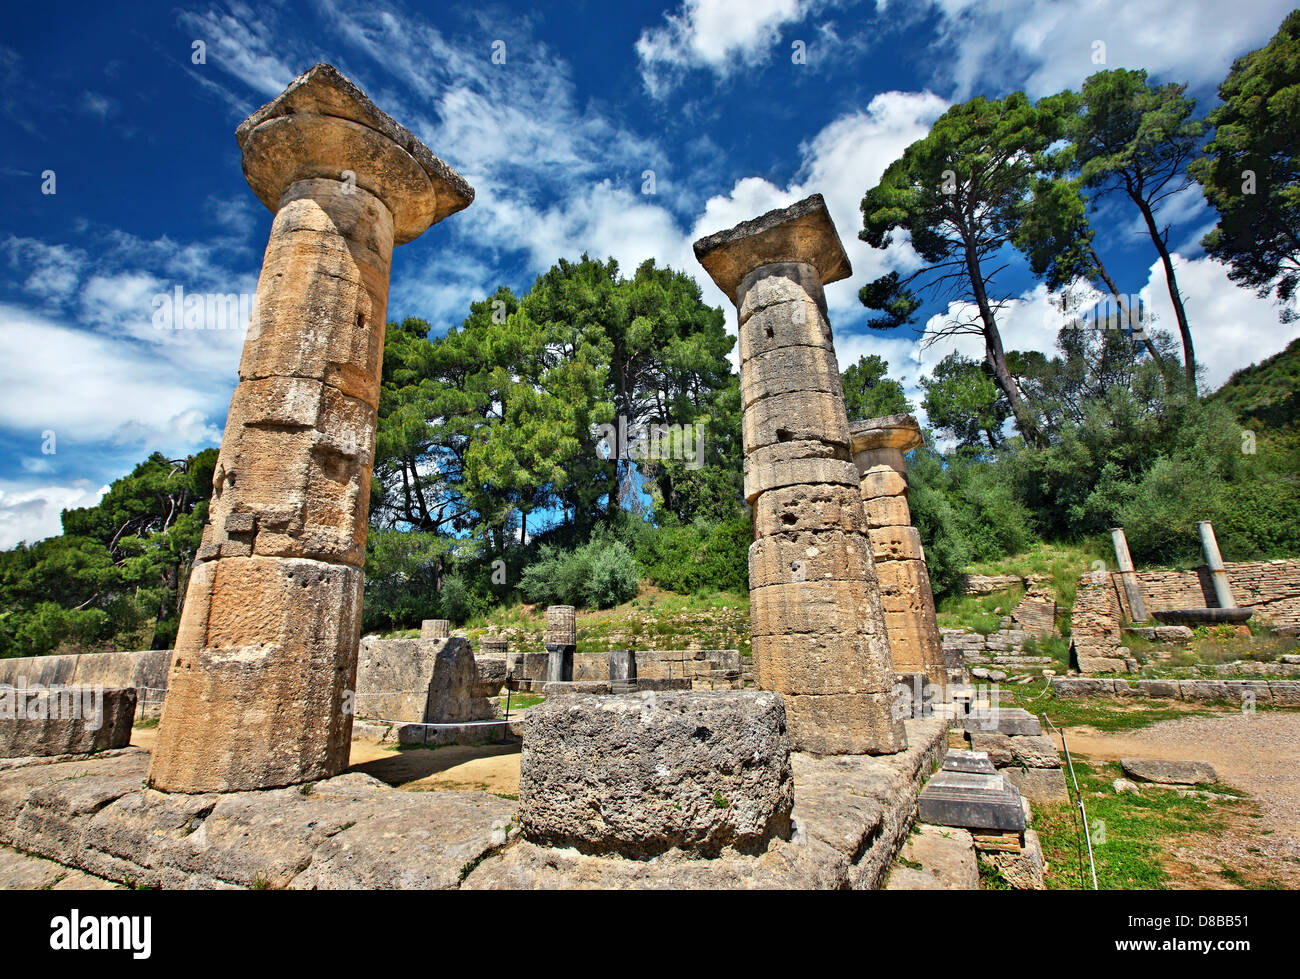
{"x":1255,"y":753}
{"x":489,"y":768}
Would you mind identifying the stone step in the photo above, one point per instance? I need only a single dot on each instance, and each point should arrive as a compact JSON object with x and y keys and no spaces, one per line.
{"x":972,"y":800}
{"x":935,"y":858}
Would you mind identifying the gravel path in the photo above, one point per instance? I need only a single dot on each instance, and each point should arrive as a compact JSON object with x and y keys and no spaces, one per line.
{"x":1257,"y":753}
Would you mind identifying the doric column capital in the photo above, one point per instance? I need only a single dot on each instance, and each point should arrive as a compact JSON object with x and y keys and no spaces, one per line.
{"x":802,"y":233}
{"x":323,"y":126}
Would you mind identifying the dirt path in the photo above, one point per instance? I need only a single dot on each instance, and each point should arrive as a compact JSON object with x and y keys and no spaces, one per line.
{"x":1256,"y":753}
{"x":489,"y":768}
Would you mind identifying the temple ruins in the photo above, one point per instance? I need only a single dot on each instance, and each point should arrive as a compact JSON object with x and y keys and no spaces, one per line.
{"x":266,"y":652}
{"x":816,"y":618}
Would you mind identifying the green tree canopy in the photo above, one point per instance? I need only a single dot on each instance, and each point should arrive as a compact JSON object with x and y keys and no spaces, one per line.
{"x":868,"y":393}
{"x":1137,"y":139}
{"x":1251,"y":170}
{"x":960,"y":195}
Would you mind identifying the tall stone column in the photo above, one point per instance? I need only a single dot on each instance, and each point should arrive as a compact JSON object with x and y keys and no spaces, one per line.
{"x":266,"y":654}
{"x":878,"y":448}
{"x":816,"y":619}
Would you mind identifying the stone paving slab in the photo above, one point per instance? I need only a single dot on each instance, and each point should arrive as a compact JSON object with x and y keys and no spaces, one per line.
{"x":947,"y":861}
{"x":852,"y":813}
{"x":350,"y":831}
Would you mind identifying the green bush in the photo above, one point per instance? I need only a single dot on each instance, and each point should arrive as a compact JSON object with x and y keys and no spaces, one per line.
{"x":699,"y":556}
{"x":600,"y":573}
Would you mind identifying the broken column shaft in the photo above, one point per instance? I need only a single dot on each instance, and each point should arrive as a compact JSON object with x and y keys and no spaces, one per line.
{"x":816,"y":619}
{"x":1128,"y":576}
{"x":1214,"y":561}
{"x":265,"y":660}
{"x":878,"y":446}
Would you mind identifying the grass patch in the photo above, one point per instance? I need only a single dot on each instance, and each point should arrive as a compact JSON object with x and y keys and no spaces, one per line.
{"x":1130,"y":833}
{"x":978,"y":613}
{"x":145,"y":723}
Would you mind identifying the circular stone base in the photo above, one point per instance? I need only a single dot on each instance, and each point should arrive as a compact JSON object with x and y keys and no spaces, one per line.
{"x":640,"y":774}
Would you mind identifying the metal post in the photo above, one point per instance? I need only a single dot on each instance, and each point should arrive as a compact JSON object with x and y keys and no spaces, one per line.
{"x":1132,"y":590}
{"x":1213,"y":560}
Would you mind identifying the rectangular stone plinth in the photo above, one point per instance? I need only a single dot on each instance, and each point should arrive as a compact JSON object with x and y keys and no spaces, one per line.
{"x":72,"y":720}
{"x":972,"y":801}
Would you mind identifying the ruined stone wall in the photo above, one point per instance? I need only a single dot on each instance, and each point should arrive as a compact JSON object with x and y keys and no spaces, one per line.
{"x":1271,"y":588}
{"x":146,"y":671}
{"x":707,"y":668}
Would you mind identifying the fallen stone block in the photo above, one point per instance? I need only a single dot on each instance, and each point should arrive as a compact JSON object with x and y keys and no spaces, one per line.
{"x":641,"y":774}
{"x":69,"y":721}
{"x":1022,"y":871}
{"x":1045,"y":786}
{"x":1285,"y":693}
{"x":1031,"y":751}
{"x":1003,"y":720}
{"x":1161,"y":689}
{"x":971,"y":801}
{"x":1070,"y":687}
{"x":1202,"y":690}
{"x":1169,"y":772}
{"x":968,"y":761}
{"x":1173,"y":633}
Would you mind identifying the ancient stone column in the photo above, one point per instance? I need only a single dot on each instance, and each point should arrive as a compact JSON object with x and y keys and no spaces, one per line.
{"x":266,"y":654}
{"x":1132,"y":590}
{"x":816,"y":619}
{"x":1214,"y":561}
{"x":435,"y":629}
{"x":878,"y":448}
{"x":561,"y":640}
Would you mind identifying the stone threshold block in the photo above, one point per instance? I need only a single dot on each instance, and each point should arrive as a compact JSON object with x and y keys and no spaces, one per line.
{"x":71,"y":720}
{"x":972,"y":801}
{"x":640,"y":774}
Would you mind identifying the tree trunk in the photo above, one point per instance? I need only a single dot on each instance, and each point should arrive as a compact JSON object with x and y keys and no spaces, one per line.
{"x":1185,"y":331}
{"x":1123,"y":305}
{"x":996,"y":356}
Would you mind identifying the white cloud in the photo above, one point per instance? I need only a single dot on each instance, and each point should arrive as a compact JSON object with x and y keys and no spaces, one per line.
{"x":1044,"y":46}
{"x":1231,"y":327}
{"x":53,"y":270}
{"x":91,"y":388}
{"x":721,"y":35}
{"x":841,"y":162}
{"x":32,"y":513}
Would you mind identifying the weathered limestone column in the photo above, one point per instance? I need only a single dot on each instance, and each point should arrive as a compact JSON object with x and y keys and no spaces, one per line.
{"x":561,"y":640}
{"x":878,"y":446}
{"x":1127,"y":575}
{"x":435,"y":629}
{"x":817,"y":624}
{"x":266,"y":655}
{"x":1214,"y":561}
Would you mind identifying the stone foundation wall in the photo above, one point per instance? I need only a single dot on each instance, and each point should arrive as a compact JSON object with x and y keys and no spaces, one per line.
{"x":146,"y":671}
{"x":1283,"y":693}
{"x":1271,"y":588}
{"x":709,"y":669}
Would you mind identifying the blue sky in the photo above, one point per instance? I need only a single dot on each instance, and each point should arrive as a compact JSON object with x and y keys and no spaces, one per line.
{"x":706,"y":94}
